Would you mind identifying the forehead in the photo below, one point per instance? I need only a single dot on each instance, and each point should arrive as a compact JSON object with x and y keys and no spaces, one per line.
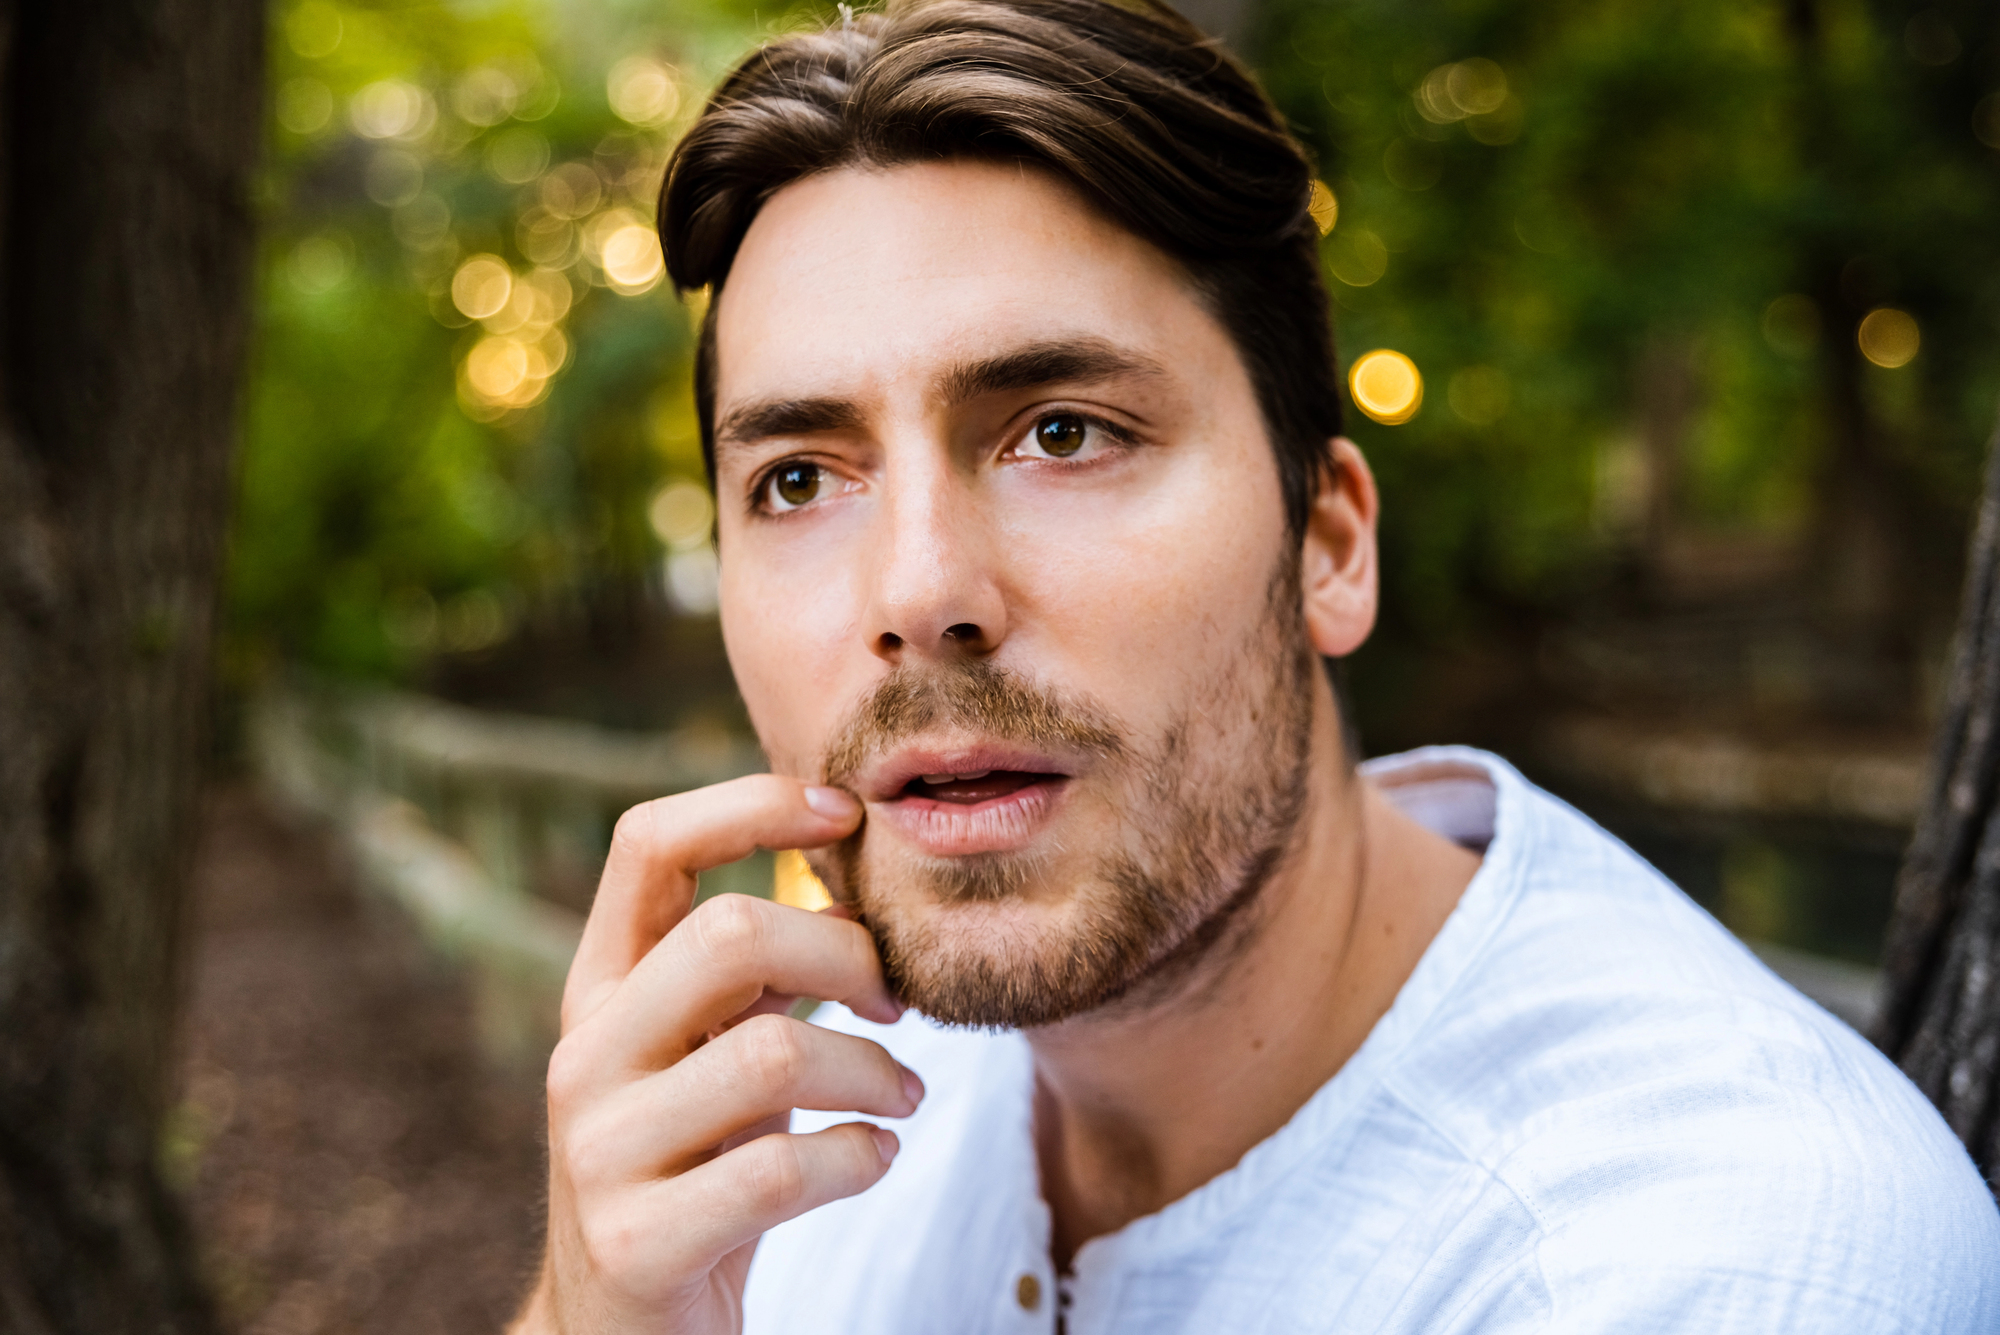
{"x":855,"y":280}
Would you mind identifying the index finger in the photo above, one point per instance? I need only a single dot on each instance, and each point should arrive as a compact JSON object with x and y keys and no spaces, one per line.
{"x":659,"y":848}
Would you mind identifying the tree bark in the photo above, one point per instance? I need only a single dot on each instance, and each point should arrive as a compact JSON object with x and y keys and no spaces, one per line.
{"x":128,"y":133}
{"x":1940,"y":1018}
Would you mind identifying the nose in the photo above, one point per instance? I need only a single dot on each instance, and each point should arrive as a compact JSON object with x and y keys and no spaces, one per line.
{"x":934,"y":591}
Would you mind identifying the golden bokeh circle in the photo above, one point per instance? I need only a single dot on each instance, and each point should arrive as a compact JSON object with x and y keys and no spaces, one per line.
{"x":1889,"y":337}
{"x":1386,"y":386}
{"x":481,"y":286}
{"x":1324,"y":208}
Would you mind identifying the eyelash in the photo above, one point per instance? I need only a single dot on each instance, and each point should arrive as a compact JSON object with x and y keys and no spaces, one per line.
{"x":1119,"y":435}
{"x":760,"y":489}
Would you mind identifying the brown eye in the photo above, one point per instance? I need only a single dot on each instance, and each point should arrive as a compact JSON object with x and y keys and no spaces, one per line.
{"x":1060,"y":436}
{"x":794,"y":485}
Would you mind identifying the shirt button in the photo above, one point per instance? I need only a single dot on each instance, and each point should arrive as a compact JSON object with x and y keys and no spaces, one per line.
{"x":1028,"y":1292}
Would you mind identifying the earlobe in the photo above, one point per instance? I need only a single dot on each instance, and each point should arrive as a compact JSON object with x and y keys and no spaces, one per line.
{"x":1338,"y":570}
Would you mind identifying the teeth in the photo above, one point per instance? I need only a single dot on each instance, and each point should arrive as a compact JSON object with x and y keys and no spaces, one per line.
{"x":935,"y":779}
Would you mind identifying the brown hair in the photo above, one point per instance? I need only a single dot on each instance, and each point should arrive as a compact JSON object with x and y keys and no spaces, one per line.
{"x":1132,"y":106}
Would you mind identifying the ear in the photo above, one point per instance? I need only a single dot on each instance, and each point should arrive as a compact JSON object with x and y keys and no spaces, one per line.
{"x":1337,"y":565}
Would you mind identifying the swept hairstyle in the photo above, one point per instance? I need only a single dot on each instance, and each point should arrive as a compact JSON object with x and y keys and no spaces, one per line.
{"x":1129,"y":103}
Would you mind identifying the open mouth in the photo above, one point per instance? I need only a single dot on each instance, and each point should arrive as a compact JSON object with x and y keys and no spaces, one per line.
{"x":979,"y":798}
{"x":973,"y":789}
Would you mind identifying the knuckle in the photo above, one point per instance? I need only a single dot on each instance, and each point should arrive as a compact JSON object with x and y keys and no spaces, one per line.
{"x":590,"y":1155}
{"x":611,"y":1241}
{"x":569,"y":1072}
{"x":729,"y":928}
{"x":772,"y":1052}
{"x":635,"y":828}
{"x":775,"y":1176}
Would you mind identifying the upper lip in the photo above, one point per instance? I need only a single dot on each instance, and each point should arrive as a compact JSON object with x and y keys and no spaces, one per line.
{"x":884,"y":778}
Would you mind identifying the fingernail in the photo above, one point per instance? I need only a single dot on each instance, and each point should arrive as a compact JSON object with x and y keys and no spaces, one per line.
{"x":886,"y":1145}
{"x":833,"y":803}
{"x":913,"y":1088}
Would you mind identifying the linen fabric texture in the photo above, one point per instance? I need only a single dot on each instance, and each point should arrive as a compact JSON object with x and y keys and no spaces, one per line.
{"x":1590,"y":1109}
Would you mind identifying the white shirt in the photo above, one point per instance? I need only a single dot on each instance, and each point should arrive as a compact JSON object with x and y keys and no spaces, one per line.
{"x":1589,"y":1110}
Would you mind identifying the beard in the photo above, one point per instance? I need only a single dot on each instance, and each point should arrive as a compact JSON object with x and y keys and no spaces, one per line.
{"x":1206,"y":810}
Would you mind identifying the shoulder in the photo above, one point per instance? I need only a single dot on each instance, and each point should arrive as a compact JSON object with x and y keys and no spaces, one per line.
{"x":1686,"y":1130}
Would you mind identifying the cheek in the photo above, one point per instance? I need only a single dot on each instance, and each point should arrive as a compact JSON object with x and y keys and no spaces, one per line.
{"x":788,"y":639}
{"x":1138,"y":588}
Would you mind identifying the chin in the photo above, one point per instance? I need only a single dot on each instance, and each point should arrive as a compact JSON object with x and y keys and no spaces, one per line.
{"x":1010,"y":942}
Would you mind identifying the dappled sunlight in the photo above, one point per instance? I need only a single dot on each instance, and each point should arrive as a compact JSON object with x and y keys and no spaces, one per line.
{"x":1387,"y":386}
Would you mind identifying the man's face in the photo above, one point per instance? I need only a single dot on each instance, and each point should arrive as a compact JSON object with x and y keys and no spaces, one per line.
{"x":1004,"y":553}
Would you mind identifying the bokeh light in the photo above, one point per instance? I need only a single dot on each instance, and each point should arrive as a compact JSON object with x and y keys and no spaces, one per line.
{"x":1889,"y":337}
{"x":1791,"y":325}
{"x":504,"y":373}
{"x":391,"y":109}
{"x":694,"y":580}
{"x":517,"y":156}
{"x":626,"y":250}
{"x":682,"y":515}
{"x":1474,"y":92}
{"x":632,"y":259}
{"x":793,"y":882}
{"x":481,"y":286}
{"x":321,"y":263}
{"x":1324,"y":208}
{"x":571,"y":191}
{"x":485,"y":96}
{"x":1986,"y":120}
{"x":1386,"y":386}
{"x":304,"y":106}
{"x":643,"y":91}
{"x":1476,"y":87}
{"x":314,"y":29}
{"x":1358,"y":257}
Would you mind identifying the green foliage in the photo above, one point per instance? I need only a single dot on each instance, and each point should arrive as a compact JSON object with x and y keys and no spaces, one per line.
{"x":405,"y":487}
{"x":1566,"y":214}
{"x":1636,"y":184}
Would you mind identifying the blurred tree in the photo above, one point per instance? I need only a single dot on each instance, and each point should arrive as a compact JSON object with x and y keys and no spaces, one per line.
{"x":1704,"y":294}
{"x":470,"y":381}
{"x":128,"y":130}
{"x":1940,"y":1017}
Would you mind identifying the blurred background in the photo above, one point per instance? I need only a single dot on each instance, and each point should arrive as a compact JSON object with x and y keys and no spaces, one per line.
{"x":1671,"y":329}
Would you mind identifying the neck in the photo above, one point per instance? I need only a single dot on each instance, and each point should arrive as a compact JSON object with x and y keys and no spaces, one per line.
{"x":1135,"y":1108}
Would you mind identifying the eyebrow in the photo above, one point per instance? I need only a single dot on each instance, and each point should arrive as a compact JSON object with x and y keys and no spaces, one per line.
{"x":786,"y":417}
{"x":1050,"y":362}
{"x":1046,"y":363}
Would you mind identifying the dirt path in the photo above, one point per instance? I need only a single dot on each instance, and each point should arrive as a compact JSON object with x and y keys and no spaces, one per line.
{"x":352,"y":1165}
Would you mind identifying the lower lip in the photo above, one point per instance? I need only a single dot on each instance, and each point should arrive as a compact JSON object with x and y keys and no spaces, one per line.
{"x":954,"y":829}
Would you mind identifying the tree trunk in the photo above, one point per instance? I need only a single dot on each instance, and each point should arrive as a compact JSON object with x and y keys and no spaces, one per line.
{"x":1940,"y":1017}
{"x":128,"y":131}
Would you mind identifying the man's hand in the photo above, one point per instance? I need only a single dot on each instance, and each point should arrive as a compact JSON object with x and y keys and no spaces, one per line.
{"x":671,"y":1091}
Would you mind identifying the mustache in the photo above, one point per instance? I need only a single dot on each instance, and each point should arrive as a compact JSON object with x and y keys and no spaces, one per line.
{"x":975,"y":696}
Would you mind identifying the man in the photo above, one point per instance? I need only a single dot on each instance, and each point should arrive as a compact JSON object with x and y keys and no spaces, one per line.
{"x":1034,"y":517}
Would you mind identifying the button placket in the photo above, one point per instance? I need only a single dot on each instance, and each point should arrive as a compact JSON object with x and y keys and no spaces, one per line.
{"x":1030,"y":1299}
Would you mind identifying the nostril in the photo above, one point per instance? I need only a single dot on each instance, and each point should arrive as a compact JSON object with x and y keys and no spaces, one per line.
{"x":964,"y":632}
{"x":891,"y":640}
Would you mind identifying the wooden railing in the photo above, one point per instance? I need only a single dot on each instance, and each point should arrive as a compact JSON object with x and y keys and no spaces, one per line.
{"x":489,"y":830}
